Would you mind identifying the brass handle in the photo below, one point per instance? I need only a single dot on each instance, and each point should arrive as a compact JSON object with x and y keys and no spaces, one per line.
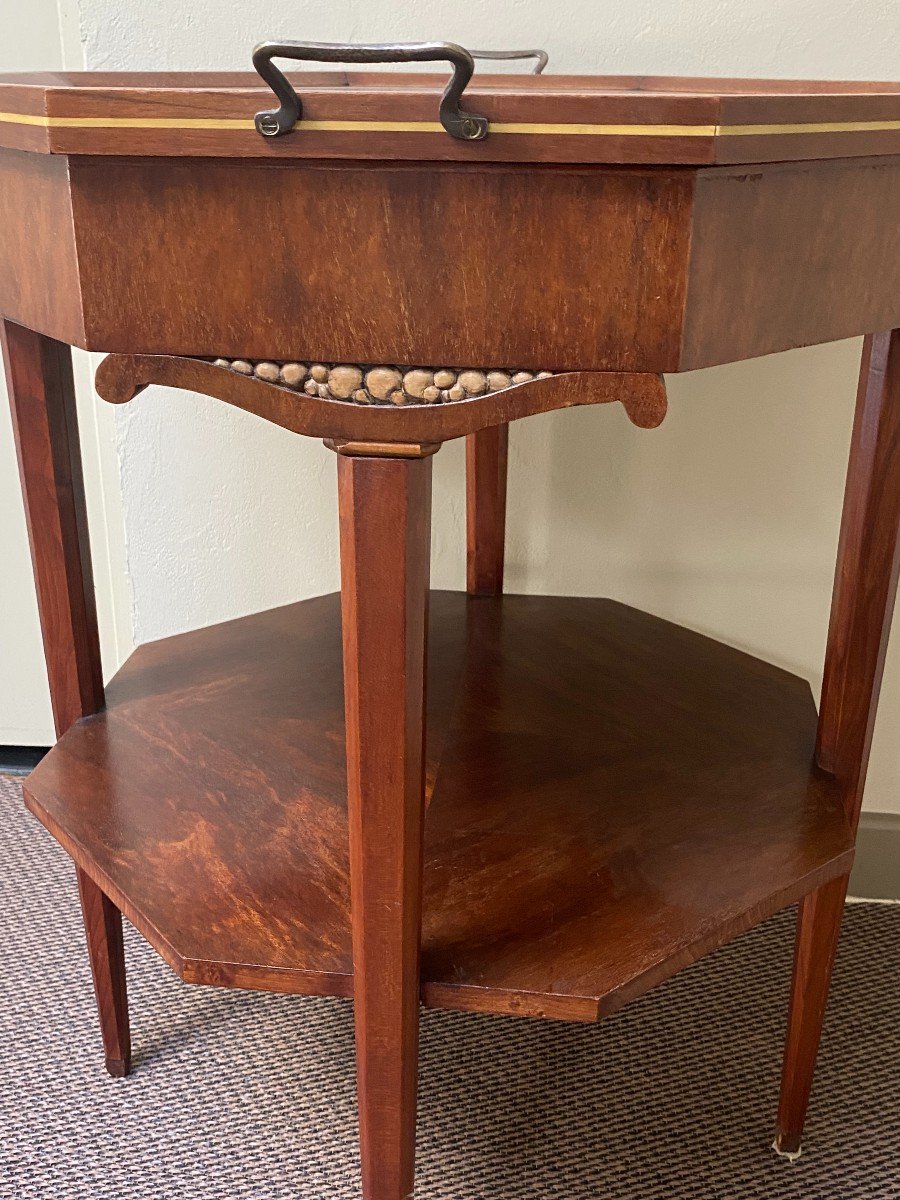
{"x":469,"y":127}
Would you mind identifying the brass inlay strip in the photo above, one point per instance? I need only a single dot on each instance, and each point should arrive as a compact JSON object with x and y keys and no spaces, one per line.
{"x":497,"y":127}
{"x":127,"y":122}
{"x":810,"y":127}
{"x":603,"y":130}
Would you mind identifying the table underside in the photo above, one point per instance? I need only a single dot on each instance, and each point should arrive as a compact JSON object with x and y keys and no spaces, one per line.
{"x":610,"y":796}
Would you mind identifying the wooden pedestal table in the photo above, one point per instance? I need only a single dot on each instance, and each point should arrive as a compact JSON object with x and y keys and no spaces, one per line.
{"x":585,"y":798}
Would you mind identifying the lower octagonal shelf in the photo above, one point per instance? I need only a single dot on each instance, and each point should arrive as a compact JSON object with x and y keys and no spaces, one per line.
{"x":610,"y":797}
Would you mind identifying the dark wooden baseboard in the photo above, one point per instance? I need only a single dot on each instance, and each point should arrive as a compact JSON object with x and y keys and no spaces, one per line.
{"x":876,"y":873}
{"x":20,"y":760}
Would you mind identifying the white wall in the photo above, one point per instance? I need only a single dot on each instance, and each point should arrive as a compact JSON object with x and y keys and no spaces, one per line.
{"x":25,"y":717}
{"x":725,"y":518}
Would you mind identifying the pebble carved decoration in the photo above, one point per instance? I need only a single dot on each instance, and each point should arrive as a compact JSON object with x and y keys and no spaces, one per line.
{"x":381,"y":385}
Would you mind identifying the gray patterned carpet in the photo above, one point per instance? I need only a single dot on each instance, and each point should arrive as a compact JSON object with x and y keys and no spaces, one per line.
{"x":250,"y":1097}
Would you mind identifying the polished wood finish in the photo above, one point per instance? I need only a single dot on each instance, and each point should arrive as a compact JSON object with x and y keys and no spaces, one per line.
{"x":385,"y":521}
{"x":609,"y":796}
{"x":818,"y":929}
{"x":550,"y":119}
{"x":42,"y":399}
{"x":865,"y":586}
{"x":39,"y":279}
{"x":484,"y":233}
{"x":103,"y":928}
{"x":785,"y":247}
{"x":711,"y":816}
{"x":486,"y":465}
{"x":643,"y":396}
{"x":865,"y":592}
{"x":806,"y":252}
{"x":45,"y":425}
{"x":539,"y":882}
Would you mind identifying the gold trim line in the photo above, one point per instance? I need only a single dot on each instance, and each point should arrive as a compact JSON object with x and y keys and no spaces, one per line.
{"x":809,"y":127}
{"x":241,"y":124}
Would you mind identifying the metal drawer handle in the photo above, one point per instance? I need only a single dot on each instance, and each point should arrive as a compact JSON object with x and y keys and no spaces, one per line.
{"x":507,"y":55}
{"x":469,"y":127}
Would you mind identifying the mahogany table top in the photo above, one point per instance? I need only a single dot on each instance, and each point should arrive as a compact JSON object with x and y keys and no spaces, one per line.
{"x":386,"y":114}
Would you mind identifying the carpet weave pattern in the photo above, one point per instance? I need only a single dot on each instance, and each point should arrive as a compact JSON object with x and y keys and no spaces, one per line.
{"x":243,"y":1096}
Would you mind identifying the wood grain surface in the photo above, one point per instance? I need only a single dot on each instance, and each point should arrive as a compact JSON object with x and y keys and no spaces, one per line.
{"x":818,"y":929}
{"x":865,"y":592}
{"x":45,"y":426}
{"x":582,"y":842}
{"x":865,"y":585}
{"x":486,"y":471}
{"x":39,"y":274}
{"x":103,"y":931}
{"x":609,"y":796}
{"x":791,"y":255}
{"x":643,"y":396}
{"x":639,"y":270}
{"x":385,"y":524}
{"x":367,"y":114}
{"x":456,"y":251}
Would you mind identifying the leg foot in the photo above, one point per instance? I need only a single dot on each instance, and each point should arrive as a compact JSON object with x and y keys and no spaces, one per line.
{"x":784,"y":1149}
{"x":103,"y":927}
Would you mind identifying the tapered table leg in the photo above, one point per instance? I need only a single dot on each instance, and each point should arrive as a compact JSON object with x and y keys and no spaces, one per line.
{"x":42,"y":398}
{"x":486,"y":463}
{"x":864,"y":594}
{"x":385,"y":514}
{"x":103,"y":926}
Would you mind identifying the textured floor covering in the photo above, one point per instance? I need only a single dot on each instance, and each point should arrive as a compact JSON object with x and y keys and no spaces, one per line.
{"x":251,"y":1097}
